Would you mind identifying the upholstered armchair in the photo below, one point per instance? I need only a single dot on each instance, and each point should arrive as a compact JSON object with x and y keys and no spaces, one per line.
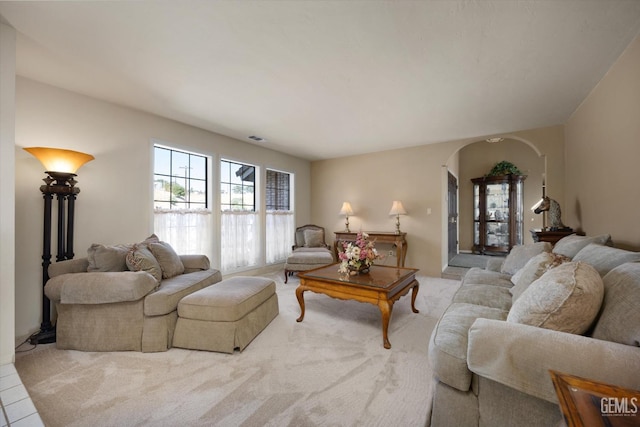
{"x":310,"y":251}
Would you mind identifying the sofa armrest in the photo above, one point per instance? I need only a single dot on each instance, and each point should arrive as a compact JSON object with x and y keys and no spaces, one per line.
{"x":494,"y":264}
{"x":78,"y":265}
{"x":100,"y":287}
{"x":195,"y":263}
{"x":520,"y":356}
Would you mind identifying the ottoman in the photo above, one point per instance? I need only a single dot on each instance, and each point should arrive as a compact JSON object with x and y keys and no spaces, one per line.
{"x":227,"y":315}
{"x":303,"y":259}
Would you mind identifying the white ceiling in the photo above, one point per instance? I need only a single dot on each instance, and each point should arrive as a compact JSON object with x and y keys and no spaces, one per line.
{"x":324,"y":79}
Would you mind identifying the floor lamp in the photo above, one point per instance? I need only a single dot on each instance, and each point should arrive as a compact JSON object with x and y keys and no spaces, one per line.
{"x":60,"y":166}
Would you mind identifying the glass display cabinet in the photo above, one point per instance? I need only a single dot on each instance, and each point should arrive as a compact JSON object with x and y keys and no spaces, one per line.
{"x":498,"y":213}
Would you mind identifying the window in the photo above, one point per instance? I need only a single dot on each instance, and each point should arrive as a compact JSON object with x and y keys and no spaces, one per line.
{"x":277,"y":194}
{"x":280,"y":220}
{"x":239,"y":220}
{"x":180,"y":198}
{"x":237,"y":186}
{"x":180,"y":179}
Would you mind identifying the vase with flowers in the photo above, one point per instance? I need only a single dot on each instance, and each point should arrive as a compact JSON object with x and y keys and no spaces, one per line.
{"x":357,"y":257}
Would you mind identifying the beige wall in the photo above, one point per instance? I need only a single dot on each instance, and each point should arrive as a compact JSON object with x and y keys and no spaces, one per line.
{"x":7,"y":192}
{"x":603,"y":152}
{"x":115,"y":202}
{"x":417,"y":177}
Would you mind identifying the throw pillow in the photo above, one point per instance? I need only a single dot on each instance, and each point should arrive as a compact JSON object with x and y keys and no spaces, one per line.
{"x":170,"y":263}
{"x":521,"y":254}
{"x":605,"y":258}
{"x":619,"y":319}
{"x":313,"y":238}
{"x":566,"y":298}
{"x":107,"y":258}
{"x":151,"y":239}
{"x":533,"y":270}
{"x":572,"y":244}
{"x":140,"y":258}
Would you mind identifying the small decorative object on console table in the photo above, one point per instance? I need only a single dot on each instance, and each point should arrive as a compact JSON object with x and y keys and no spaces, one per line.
{"x":358,"y":256}
{"x":551,"y":208}
{"x":398,"y":240}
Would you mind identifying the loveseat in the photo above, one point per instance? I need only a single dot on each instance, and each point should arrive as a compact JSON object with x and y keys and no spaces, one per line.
{"x":573,"y":308}
{"x":124,"y":297}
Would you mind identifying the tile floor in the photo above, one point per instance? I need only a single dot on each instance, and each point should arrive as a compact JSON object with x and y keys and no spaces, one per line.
{"x":17,"y":407}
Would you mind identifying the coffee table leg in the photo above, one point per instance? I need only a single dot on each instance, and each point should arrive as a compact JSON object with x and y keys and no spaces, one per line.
{"x":385,"y":309}
{"x":300,"y":296}
{"x":414,"y":294}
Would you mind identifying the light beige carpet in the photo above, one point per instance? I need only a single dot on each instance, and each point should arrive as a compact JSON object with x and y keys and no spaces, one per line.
{"x":329,"y":370}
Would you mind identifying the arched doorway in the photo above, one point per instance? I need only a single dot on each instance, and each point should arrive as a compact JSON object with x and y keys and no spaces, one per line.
{"x":476,"y":159}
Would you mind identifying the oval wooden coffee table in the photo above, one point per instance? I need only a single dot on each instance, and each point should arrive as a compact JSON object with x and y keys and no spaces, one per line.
{"x":382,"y":286}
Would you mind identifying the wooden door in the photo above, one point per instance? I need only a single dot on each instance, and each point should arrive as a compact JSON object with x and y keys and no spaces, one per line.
{"x":452,"y":219}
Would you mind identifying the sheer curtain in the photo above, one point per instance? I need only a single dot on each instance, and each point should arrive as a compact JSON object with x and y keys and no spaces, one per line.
{"x":279,"y":235}
{"x":239,"y":240}
{"x":188,"y":231}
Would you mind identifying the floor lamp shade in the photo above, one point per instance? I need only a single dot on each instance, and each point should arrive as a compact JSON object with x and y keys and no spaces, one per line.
{"x":59,"y":160}
{"x":60,"y":166}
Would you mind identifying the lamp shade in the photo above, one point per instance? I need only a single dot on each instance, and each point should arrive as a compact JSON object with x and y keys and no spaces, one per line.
{"x":397,"y":208}
{"x":59,"y":160}
{"x":346,"y":209}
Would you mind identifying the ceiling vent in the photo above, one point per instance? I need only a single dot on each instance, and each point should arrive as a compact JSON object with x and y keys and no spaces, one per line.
{"x":257,"y":138}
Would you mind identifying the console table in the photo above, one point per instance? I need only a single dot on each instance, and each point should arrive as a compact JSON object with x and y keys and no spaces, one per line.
{"x":399,"y":240}
{"x":552,"y":237}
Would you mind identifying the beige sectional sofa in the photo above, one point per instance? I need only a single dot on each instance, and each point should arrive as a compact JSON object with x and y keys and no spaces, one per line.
{"x":102,"y":305}
{"x":575,"y":309}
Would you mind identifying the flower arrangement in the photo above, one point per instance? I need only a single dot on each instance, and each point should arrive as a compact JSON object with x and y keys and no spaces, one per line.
{"x":358,"y":255}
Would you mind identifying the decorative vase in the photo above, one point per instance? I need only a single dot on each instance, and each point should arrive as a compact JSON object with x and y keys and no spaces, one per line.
{"x":363,"y":269}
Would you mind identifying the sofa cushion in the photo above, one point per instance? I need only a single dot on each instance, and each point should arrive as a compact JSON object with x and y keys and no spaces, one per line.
{"x":494,"y":263}
{"x":566,"y":298}
{"x":313,"y":256}
{"x":313,"y":238}
{"x":140,"y":258}
{"x":171,"y":291}
{"x":619,"y":319}
{"x":478,"y":276}
{"x":107,"y":258}
{"x":485,"y":295}
{"x":605,"y":258}
{"x":521,"y":254}
{"x":448,"y":345}
{"x":170,"y":263}
{"x":572,"y":244}
{"x":533,"y":270}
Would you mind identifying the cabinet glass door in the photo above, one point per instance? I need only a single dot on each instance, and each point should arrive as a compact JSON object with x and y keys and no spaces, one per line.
{"x":476,"y":214}
{"x":497,"y":202}
{"x":497,"y":220}
{"x":519,"y":214}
